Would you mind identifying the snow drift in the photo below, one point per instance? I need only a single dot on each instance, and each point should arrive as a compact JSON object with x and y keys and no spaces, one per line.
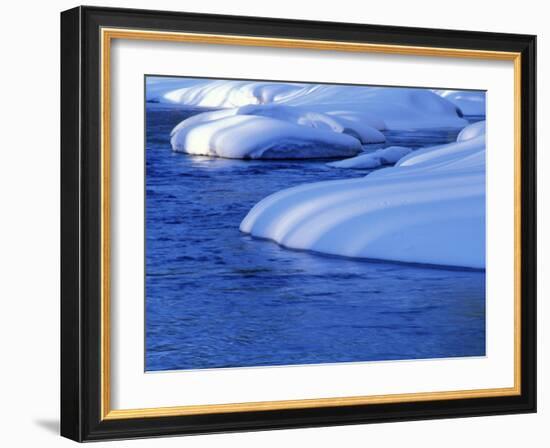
{"x":429,"y":208}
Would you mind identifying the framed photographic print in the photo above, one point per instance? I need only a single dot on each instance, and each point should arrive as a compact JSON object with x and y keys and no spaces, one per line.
{"x":274,"y":224}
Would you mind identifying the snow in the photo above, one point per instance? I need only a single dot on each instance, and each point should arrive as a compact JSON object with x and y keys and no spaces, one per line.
{"x":201,"y":118}
{"x":470,"y":102}
{"x":282,"y":132}
{"x":227,"y":94}
{"x":429,"y":208}
{"x":472,"y":131}
{"x":470,"y":147}
{"x":435,"y":157}
{"x":360,"y":112}
{"x":386,"y":156}
{"x":398,"y":108}
{"x":255,"y":137}
{"x":158,"y":86}
{"x":306,"y":117}
{"x":378,"y":107}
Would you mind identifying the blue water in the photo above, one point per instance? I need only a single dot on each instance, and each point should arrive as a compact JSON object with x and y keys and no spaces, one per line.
{"x":218,"y":298}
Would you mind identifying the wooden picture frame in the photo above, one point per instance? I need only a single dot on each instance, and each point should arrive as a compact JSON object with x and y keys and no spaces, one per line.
{"x":86,"y":35}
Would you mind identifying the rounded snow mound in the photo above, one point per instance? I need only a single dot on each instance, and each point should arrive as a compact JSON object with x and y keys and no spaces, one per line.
{"x":258,"y":137}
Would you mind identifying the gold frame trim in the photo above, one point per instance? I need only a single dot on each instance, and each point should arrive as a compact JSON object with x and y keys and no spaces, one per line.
{"x":107,"y":35}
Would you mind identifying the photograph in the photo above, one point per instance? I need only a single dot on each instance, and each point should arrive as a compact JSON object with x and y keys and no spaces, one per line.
{"x":298,"y":223}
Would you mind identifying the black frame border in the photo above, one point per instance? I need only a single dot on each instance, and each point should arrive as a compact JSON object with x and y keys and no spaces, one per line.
{"x":81,"y":223}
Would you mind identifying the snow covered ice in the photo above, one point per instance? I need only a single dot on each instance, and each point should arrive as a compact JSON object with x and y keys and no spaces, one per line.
{"x":429,"y":208}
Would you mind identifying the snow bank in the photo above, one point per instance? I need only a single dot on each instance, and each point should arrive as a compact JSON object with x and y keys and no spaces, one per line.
{"x":429,"y":208}
{"x":227,"y":94}
{"x":377,"y":107}
{"x":385,"y":156}
{"x":398,"y":108}
{"x":358,"y":111}
{"x":255,"y":137}
{"x":469,"y":102}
